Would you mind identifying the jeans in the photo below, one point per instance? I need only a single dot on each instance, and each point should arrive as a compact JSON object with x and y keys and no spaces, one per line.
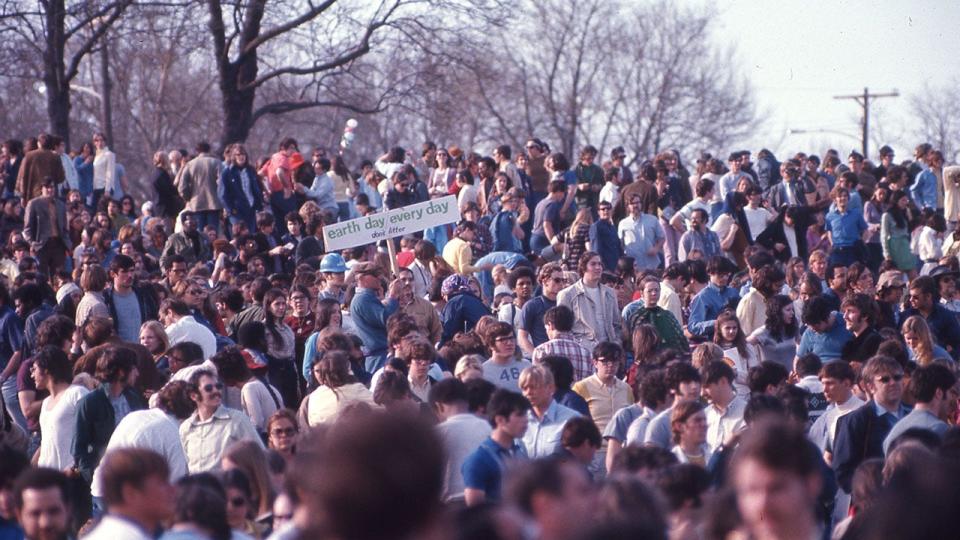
{"x":9,"y":391}
{"x":847,"y":255}
{"x":208,"y":217}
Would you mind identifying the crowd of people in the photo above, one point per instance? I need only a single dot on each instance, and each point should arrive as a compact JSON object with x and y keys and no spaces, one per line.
{"x":610,"y":348}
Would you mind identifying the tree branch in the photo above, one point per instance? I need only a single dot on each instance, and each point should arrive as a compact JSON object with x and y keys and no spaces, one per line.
{"x":263,"y":37}
{"x":282,"y":107}
{"x":87,"y":46}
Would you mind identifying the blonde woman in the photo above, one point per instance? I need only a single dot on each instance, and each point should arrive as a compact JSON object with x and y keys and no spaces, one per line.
{"x":104,"y":169}
{"x":578,"y":235}
{"x":154,"y":337}
{"x":469,"y":367}
{"x":920,"y":345}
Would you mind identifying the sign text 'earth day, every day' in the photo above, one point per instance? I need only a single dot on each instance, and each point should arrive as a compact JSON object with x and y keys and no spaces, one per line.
{"x":392,"y":223}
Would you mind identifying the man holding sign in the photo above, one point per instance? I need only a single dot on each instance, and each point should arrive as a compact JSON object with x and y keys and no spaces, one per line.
{"x":370,"y":314}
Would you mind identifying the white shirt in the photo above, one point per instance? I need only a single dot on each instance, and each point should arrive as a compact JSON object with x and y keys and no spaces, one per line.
{"x":609,"y":193}
{"x":116,"y":528}
{"x":835,"y":412}
{"x":59,"y":426}
{"x":757,"y":219}
{"x":256,"y":401}
{"x":461,"y":435}
{"x":670,"y":301}
{"x":188,"y":329}
{"x":104,"y":170}
{"x":204,"y":441}
{"x":721,"y":424}
{"x":151,"y":429}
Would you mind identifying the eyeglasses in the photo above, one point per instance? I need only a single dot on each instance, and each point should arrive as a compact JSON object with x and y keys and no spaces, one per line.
{"x":283,"y":432}
{"x":209,"y":387}
{"x":887,"y":378}
{"x":298,"y":298}
{"x":604,"y":209}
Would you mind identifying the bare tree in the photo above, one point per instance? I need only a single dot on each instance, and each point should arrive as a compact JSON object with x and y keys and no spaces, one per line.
{"x":601,"y":73}
{"x":938,"y":112}
{"x":245,"y":38}
{"x":61,"y":36}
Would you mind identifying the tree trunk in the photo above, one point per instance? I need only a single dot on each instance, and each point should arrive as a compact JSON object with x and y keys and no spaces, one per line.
{"x":237,"y":106}
{"x":105,"y":91}
{"x":54,"y":72}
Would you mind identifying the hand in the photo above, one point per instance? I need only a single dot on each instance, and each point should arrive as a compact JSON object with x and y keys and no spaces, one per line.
{"x":395,"y":288}
{"x":277,"y":250}
{"x":583,"y":186}
{"x":779,"y":246}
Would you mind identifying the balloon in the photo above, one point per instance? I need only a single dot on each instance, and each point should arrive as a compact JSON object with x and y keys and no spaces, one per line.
{"x":352,"y":123}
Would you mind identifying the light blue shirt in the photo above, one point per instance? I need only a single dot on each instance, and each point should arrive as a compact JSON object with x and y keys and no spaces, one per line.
{"x":827,"y":345}
{"x":542,"y":437}
{"x":322,"y":193}
{"x":638,"y":235}
{"x":920,"y":419}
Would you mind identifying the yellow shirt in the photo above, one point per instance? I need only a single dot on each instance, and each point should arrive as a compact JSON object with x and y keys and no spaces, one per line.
{"x":458,"y":254}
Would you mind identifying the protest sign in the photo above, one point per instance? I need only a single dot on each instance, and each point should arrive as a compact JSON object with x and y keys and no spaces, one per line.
{"x":391,"y":224}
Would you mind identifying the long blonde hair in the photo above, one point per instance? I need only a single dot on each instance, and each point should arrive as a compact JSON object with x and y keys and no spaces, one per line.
{"x":584,"y":217}
{"x":923,"y":353}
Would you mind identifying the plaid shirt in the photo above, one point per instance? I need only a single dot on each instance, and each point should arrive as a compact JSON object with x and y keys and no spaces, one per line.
{"x":567,"y":346}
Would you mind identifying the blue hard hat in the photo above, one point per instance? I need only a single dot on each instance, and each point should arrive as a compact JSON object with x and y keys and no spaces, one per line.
{"x":333,"y":262}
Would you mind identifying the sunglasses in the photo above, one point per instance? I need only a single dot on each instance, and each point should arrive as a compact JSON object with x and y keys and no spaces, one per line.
{"x":887,"y":378}
{"x":210,"y":387}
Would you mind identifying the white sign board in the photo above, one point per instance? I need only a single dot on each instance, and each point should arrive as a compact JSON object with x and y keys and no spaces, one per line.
{"x":391,"y":224}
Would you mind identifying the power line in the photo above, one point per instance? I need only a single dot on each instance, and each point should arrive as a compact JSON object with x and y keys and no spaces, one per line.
{"x":864,"y":101}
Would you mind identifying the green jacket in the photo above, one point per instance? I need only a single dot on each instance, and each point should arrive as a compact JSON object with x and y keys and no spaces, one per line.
{"x":668,"y":328}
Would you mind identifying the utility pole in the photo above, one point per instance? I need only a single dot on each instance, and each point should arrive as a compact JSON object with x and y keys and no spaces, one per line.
{"x":864,"y":101}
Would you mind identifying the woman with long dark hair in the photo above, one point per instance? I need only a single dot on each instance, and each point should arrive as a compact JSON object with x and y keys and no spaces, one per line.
{"x":895,"y":234}
{"x":281,"y":346}
{"x":776,"y":340}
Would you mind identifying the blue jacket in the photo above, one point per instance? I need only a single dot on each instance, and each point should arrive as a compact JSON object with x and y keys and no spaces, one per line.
{"x":860,"y":436}
{"x":705,"y":307}
{"x":230,"y":189}
{"x":84,"y":175}
{"x":460,"y":315}
{"x":370,"y":317}
{"x":604,"y":240}
{"x":502,"y":230}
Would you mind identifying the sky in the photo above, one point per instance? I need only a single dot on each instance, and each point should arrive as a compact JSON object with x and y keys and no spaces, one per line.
{"x":798,"y":55}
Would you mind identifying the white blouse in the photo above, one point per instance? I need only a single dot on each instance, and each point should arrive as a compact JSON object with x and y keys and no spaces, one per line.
{"x":58,"y":423}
